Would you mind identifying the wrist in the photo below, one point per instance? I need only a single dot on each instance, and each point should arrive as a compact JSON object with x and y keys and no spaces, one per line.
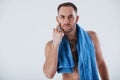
{"x":56,"y":45}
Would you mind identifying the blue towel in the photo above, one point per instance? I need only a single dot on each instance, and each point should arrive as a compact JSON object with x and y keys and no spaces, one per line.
{"x":87,"y":67}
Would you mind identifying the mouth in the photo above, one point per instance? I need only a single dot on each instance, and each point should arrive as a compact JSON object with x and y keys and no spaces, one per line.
{"x":67,"y":25}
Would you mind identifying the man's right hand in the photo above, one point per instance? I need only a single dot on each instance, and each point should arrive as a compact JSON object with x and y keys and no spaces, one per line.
{"x":57,"y":36}
{"x":51,"y":53}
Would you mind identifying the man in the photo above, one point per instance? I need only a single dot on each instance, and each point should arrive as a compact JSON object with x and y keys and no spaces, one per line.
{"x":69,"y":30}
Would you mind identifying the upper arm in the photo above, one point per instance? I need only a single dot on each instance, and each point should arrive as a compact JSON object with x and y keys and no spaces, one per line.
{"x":98,"y":51}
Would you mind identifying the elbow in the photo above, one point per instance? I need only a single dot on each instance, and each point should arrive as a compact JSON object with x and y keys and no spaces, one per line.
{"x":48,"y":74}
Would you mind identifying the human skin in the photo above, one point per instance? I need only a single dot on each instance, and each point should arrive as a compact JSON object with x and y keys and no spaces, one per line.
{"x":67,"y":19}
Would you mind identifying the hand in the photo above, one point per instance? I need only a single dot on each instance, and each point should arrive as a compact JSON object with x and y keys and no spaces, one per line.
{"x":57,"y":36}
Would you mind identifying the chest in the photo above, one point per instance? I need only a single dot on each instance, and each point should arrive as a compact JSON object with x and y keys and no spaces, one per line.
{"x":74,"y":51}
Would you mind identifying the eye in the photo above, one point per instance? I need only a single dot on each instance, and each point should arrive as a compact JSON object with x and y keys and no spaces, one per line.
{"x":71,"y":16}
{"x":62,"y":16}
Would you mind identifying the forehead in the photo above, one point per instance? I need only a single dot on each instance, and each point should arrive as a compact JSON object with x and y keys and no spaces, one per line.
{"x":66,"y":10}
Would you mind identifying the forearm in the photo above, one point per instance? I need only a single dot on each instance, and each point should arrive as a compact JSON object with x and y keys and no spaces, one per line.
{"x":50,"y":65}
{"x":51,"y":52}
{"x":103,"y":71}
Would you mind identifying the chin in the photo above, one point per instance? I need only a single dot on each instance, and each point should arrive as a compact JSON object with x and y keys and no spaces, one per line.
{"x":68,"y":31}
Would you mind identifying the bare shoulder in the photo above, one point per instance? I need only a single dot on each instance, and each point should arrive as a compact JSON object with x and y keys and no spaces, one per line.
{"x":92,"y":34}
{"x":94,"y":38}
{"x":48,"y":47}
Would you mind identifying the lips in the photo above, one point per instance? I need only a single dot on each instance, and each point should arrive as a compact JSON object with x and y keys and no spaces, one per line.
{"x":67,"y":25}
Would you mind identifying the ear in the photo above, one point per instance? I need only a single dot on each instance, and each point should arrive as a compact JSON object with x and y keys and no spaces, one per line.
{"x":77,"y":18}
{"x":57,"y":19}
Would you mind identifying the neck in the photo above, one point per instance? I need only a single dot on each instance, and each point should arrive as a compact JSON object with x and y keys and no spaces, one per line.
{"x":72,"y":35}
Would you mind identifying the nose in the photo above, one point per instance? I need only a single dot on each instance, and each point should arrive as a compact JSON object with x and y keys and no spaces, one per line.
{"x":67,"y":20}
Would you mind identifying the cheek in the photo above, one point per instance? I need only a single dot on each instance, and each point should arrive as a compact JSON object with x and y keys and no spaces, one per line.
{"x":60,"y":20}
{"x":74,"y":20}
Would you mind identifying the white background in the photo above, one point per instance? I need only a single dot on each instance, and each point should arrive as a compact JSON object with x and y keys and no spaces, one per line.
{"x":26,"y":26}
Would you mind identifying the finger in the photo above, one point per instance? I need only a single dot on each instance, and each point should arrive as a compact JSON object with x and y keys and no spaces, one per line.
{"x":59,"y":29}
{"x":62,"y":33}
{"x":54,"y":30}
{"x":58,"y":25}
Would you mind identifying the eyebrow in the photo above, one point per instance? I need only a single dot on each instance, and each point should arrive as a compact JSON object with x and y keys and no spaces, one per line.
{"x":64,"y":15}
{"x":71,"y":15}
{"x":61,"y":15}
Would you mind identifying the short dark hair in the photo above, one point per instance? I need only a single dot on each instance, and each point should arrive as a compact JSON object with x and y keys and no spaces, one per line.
{"x":67,"y":4}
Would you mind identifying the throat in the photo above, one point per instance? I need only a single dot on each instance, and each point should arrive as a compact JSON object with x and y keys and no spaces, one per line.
{"x":71,"y":36}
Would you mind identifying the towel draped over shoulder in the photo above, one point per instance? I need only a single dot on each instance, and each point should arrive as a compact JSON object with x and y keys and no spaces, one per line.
{"x":87,"y":67}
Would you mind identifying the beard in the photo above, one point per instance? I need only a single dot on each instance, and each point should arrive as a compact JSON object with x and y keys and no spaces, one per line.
{"x":71,"y":28}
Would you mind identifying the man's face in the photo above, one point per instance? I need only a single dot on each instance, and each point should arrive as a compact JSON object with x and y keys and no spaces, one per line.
{"x":67,"y":18}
